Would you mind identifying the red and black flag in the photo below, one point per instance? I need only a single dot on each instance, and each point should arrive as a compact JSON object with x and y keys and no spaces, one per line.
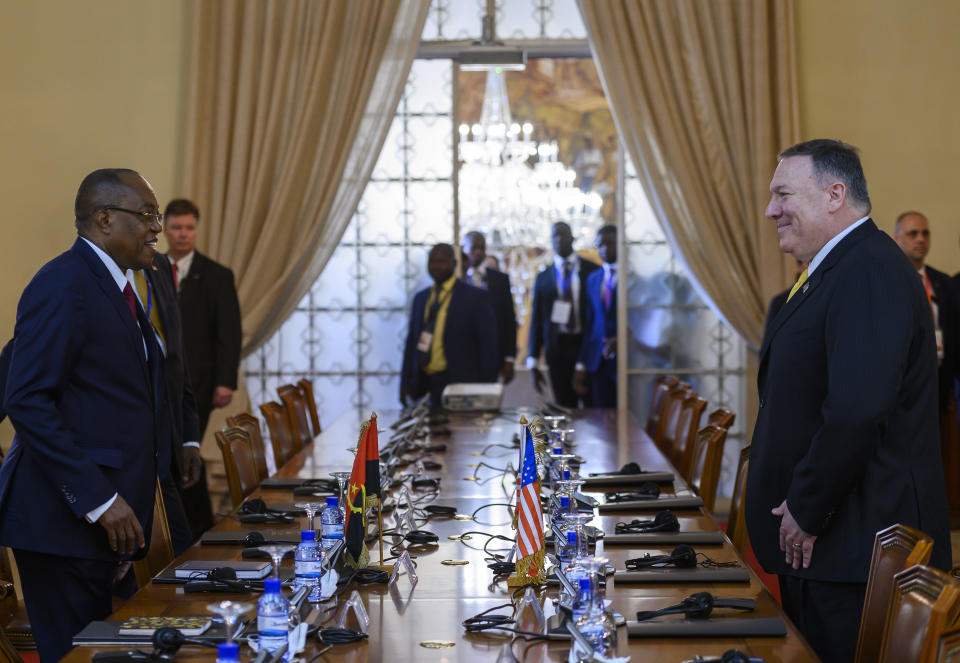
{"x":363,"y":493}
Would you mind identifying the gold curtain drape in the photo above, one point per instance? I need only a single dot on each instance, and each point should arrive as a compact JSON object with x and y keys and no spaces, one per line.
{"x":290,"y":102}
{"x":703,"y":93}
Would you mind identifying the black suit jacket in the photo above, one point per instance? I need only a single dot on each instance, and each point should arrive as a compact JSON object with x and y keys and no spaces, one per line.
{"x":543,"y":333}
{"x":180,"y":400}
{"x":945,"y":296}
{"x":498,"y":285}
{"x":470,"y":348}
{"x":210,"y":313}
{"x":847,"y":430}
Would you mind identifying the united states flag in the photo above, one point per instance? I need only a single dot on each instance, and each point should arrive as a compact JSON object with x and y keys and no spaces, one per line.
{"x":529,"y":513}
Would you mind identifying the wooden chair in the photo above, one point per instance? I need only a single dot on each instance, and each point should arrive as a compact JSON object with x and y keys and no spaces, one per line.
{"x":306,"y":389}
{"x":721,"y":417}
{"x":705,"y":464}
{"x":238,"y":461}
{"x":925,"y":602}
{"x":8,"y":653}
{"x":736,"y":521}
{"x":895,"y":548}
{"x":661,"y":385}
{"x":948,"y":647}
{"x":251,"y":424}
{"x":281,"y":436}
{"x":296,"y":408}
{"x":160,"y":553}
{"x":688,"y":423}
{"x":670,"y":416}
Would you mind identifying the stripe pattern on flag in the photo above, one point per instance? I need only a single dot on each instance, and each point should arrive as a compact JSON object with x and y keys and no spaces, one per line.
{"x":529,"y":512}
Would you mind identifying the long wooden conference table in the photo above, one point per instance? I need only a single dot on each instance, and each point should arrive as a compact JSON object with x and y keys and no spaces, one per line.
{"x":403,"y":615}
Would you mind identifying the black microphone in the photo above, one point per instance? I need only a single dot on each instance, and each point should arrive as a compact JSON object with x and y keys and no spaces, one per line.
{"x":698,"y":606}
{"x":682,"y":557}
{"x":664,"y":521}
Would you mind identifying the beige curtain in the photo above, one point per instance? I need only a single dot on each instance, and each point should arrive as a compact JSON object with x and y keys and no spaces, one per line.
{"x":290,"y":102}
{"x":703,"y":93}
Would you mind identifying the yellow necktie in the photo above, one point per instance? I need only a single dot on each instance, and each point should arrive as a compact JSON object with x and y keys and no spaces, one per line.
{"x":796,"y":286}
{"x":152,"y":312}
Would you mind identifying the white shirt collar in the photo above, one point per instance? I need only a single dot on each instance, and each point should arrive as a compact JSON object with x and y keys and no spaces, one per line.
{"x":573,"y":259}
{"x":481,"y":270}
{"x":822,"y":253}
{"x":609,"y":267}
{"x":118,"y":276}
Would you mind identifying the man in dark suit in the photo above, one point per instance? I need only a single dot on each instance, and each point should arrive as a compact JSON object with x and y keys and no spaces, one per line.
{"x":479,"y":275}
{"x":558,"y":315}
{"x":912,"y":234}
{"x":778,"y":300}
{"x":450,"y":335}
{"x":597,"y":363}
{"x":157,"y":295}
{"x":846,"y":440}
{"x":85,"y":393}
{"x":209,"y":310}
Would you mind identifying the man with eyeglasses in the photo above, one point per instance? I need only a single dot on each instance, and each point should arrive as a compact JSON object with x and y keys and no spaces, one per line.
{"x":85,"y":393}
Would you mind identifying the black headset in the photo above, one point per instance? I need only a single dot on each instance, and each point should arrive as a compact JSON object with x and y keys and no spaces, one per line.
{"x":221,"y":579}
{"x":253,"y":539}
{"x":167,"y":641}
{"x":698,"y":606}
{"x":682,"y":557}
{"x":256,"y":511}
{"x":646,"y":490}
{"x":664,"y":521}
{"x":734,"y":656}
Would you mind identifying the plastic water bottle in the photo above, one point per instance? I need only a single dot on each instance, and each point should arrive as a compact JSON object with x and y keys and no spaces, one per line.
{"x":567,"y":550}
{"x":228,"y":652}
{"x":555,"y":466}
{"x":588,"y":618}
{"x":308,"y":565}
{"x":331,"y":524}
{"x":273,"y":614}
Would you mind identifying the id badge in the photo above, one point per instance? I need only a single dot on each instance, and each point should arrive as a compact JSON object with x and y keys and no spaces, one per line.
{"x":423,"y":343}
{"x":939,"y":337}
{"x":561,"y":312}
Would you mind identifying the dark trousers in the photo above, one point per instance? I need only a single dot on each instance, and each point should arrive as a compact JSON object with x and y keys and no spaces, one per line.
{"x":562,"y":360}
{"x":196,"y":505}
{"x":435,"y":384}
{"x":63,"y":595}
{"x":827,"y":614}
{"x":603,"y":384}
{"x":180,"y":532}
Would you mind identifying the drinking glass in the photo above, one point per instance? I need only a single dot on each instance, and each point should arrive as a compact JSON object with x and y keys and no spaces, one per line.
{"x":277,"y":552}
{"x":230,"y":611}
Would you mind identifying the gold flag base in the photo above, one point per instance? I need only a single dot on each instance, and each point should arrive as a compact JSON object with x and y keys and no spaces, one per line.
{"x":525,"y":565}
{"x":382,"y":567}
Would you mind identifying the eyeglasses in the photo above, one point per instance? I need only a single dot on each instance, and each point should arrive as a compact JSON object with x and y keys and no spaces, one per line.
{"x":148,"y":217}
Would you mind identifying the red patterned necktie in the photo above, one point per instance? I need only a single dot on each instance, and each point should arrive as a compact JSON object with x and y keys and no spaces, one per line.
{"x":131,"y":299}
{"x":176,"y":277}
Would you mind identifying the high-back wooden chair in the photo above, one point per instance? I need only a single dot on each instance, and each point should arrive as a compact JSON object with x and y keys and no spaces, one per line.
{"x":705,"y":464}
{"x":895,"y":548}
{"x":8,"y":653}
{"x":661,"y":385}
{"x":281,"y":437}
{"x":688,"y":423}
{"x":925,"y":602}
{"x":251,"y":424}
{"x":948,"y":647}
{"x":737,"y":521}
{"x":721,"y":417}
{"x":296,"y":407}
{"x":238,"y":461}
{"x":306,"y":389}
{"x":670,"y":416}
{"x":160,"y":554}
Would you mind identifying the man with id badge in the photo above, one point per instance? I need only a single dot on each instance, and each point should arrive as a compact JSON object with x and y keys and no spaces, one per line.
{"x":558,"y":318}
{"x":452,"y":333}
{"x":912,"y":234}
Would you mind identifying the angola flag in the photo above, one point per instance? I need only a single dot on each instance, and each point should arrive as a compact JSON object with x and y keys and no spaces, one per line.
{"x":362,"y":493}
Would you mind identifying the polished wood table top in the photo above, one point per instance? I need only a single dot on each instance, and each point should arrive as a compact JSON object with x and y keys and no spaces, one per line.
{"x":403,"y":615}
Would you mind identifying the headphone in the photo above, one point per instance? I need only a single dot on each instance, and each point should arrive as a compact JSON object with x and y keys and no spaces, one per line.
{"x":664,"y":521}
{"x":167,"y":641}
{"x":698,"y":606}
{"x":682,"y":557}
{"x":253,"y":539}
{"x":256,"y":511}
{"x":220,"y":579}
{"x":734,"y":656}
{"x":646,"y":490}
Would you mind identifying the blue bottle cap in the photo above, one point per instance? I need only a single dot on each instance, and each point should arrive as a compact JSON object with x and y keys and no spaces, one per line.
{"x":584,"y":584}
{"x":566,"y":475}
{"x":333,"y":501}
{"x":564,"y":501}
{"x":557,"y":450}
{"x":571,"y":537}
{"x":308,"y":535}
{"x":228,"y":651}
{"x":271,"y":585}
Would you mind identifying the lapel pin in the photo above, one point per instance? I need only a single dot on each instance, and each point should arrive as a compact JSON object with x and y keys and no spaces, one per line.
{"x":804,"y":288}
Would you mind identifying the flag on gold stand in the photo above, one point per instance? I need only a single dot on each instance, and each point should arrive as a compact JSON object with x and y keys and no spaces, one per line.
{"x":528,"y":516}
{"x":362,"y":494}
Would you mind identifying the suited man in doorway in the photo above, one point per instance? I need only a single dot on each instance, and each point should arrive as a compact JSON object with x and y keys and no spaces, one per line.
{"x":558,"y":317}
{"x":480,"y":275}
{"x":846,"y":439}
{"x":596,"y":368}
{"x":85,"y":393}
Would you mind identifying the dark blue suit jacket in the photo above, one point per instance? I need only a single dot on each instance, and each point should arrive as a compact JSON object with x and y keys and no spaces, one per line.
{"x":87,"y":407}
{"x":468,"y":343}
{"x":543,"y":333}
{"x":598,"y":323}
{"x":847,"y":430}
{"x":498,"y":285}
